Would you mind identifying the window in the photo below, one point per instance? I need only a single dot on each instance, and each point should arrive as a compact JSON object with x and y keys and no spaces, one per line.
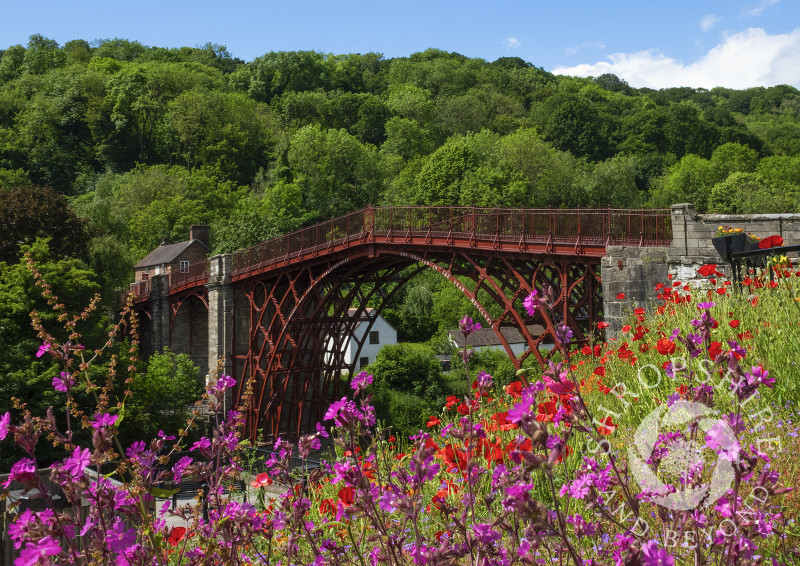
{"x":184,"y":266}
{"x":363,"y":362}
{"x":374,"y":337}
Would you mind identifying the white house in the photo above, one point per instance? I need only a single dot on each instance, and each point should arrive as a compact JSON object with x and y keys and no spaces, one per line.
{"x":380,"y":334}
{"x":486,"y":338}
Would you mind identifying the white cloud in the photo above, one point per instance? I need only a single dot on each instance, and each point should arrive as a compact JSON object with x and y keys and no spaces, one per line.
{"x":512,"y":43}
{"x":745,"y":59}
{"x":709,"y":21}
{"x":589,"y":45}
{"x":759,"y":8}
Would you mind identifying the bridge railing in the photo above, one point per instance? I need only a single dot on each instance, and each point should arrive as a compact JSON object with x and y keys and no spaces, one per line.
{"x":644,"y":227}
{"x":197,"y":274}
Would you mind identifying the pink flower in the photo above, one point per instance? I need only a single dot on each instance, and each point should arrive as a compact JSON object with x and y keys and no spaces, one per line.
{"x":63,"y":383}
{"x":37,"y":553}
{"x":654,"y":555}
{"x":103,"y":419}
{"x":43,"y":349}
{"x":79,"y":460}
{"x":532,"y":303}
{"x":5,"y":425}
{"x":118,"y":538}
{"x":22,"y":471}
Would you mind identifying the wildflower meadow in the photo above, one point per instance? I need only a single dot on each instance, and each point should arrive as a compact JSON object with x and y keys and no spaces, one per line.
{"x":674,"y":443}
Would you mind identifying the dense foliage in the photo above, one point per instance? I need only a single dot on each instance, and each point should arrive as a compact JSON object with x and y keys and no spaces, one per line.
{"x":146,"y":141}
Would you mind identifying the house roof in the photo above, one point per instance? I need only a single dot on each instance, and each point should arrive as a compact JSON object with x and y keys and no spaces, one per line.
{"x":488,"y":337}
{"x":166,"y":253}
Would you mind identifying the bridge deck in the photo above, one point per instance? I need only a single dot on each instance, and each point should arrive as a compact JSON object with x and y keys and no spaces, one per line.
{"x":573,"y":232}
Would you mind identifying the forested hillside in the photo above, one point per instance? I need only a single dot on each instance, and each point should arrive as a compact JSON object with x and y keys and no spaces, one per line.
{"x":144,"y":141}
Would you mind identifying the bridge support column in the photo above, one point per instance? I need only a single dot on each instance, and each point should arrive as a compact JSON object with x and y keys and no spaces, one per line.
{"x":159,"y":312}
{"x":220,"y":316}
{"x":635,"y":272}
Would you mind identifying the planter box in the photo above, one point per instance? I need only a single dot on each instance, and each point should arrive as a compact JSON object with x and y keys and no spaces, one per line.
{"x":735,"y":243}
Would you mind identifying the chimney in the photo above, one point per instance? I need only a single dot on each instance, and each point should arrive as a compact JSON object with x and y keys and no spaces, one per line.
{"x":200,"y":232}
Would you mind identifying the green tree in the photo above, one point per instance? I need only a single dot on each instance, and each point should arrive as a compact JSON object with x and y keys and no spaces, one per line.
{"x":161,"y":396}
{"x":30,"y":212}
{"x":42,"y":55}
{"x":408,"y":367}
{"x":335,"y":172}
{"x":439,"y":182}
{"x":22,"y":374}
{"x":11,"y":63}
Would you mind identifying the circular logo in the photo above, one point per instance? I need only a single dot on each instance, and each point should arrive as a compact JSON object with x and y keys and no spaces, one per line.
{"x":669,"y":452}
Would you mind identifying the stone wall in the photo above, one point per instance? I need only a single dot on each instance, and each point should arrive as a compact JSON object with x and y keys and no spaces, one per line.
{"x":692,"y":232}
{"x":634,"y":272}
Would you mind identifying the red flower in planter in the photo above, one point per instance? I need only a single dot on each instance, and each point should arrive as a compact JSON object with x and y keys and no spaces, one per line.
{"x":770,"y":242}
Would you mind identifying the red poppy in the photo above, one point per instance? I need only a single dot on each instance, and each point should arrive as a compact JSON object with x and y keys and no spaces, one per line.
{"x":721,"y":291}
{"x":547,"y":411}
{"x":708,"y":269}
{"x":433,"y":421}
{"x":261,"y":480}
{"x":608,"y":428}
{"x":626,"y":328}
{"x":514,"y":389}
{"x":733,"y":323}
{"x":392,"y":439}
{"x":714,"y":350}
{"x":502,"y":421}
{"x":621,"y":296}
{"x":347,"y":496}
{"x":176,"y":535}
{"x":452,"y":400}
{"x":602,"y":325}
{"x":770,"y":242}
{"x":600,"y":370}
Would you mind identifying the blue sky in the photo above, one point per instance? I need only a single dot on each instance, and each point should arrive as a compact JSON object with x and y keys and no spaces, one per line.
{"x":734,"y":43}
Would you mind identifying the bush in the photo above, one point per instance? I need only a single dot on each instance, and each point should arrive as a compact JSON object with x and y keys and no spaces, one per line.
{"x":412,"y":368}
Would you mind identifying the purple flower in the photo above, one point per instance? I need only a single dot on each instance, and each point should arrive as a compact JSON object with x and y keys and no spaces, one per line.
{"x":322,"y":432}
{"x":361,"y":381}
{"x":180,"y":467}
{"x":579,"y":488}
{"x":467,"y":325}
{"x":521,"y":410}
{"x":484,"y":533}
{"x":43,"y":349}
{"x":654,"y":555}
{"x":37,"y":553}
{"x":22,"y":471}
{"x":533,"y":302}
{"x":118,"y":538}
{"x":103,"y":419}
{"x":706,"y":305}
{"x":225,"y":381}
{"x":5,"y":425}
{"x":135,"y":448}
{"x":721,"y":438}
{"x":564,"y":334}
{"x":202,"y":444}
{"x":76,"y":463}
{"x":484,"y":381}
{"x":63,"y":383}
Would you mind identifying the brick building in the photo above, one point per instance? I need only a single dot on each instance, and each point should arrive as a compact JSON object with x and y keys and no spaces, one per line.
{"x":175,"y":258}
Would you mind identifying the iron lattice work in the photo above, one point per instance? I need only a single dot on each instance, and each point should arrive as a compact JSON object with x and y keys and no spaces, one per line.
{"x":293,"y":324}
{"x":297,"y":298}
